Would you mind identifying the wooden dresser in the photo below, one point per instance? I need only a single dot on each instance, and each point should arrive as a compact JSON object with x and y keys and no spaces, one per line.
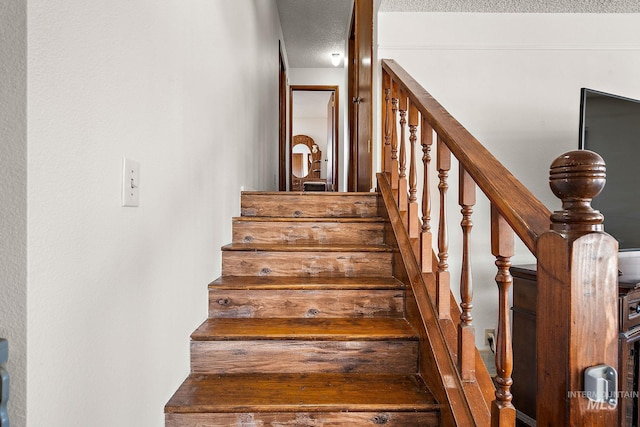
{"x":524,"y":347}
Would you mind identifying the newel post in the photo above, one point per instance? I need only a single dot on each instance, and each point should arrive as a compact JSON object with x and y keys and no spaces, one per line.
{"x":577,"y":297}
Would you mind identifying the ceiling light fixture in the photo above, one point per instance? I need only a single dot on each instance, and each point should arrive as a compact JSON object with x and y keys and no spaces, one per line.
{"x":335,"y":59}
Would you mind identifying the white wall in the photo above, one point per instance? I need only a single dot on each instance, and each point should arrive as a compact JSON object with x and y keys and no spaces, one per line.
{"x":513,"y":80}
{"x":330,"y":77}
{"x":188,"y":89}
{"x":13,"y":197}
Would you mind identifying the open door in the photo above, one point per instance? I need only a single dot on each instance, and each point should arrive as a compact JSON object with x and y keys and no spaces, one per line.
{"x":332,"y":127}
{"x":361,"y":93}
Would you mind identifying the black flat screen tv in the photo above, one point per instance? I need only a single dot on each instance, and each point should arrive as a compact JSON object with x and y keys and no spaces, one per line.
{"x":610,"y":126}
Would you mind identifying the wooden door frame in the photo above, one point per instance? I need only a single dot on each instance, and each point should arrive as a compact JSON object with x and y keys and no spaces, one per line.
{"x":336,"y":127}
{"x":352,"y":173}
{"x":282,"y":131}
{"x":360,"y":90}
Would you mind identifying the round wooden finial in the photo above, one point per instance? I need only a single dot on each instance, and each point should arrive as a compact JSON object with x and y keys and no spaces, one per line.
{"x":576,"y":178}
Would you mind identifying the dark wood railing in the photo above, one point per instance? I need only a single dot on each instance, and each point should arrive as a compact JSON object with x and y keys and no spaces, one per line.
{"x":577,"y":261}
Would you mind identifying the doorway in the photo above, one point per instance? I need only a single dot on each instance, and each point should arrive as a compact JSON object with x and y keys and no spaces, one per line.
{"x":313,"y":132}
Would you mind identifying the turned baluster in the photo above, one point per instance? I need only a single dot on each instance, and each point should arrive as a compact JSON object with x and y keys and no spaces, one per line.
{"x":402,"y":183}
{"x":394,"y":138}
{"x":503,"y":412}
{"x":466,"y":331}
{"x":386,"y":114}
{"x":443,"y":279}
{"x":426,"y":140}
{"x":413,"y":221}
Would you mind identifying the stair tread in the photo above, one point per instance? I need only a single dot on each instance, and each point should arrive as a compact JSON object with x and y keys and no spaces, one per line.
{"x":363,"y":329}
{"x":309,"y":219}
{"x":307,"y":247}
{"x":301,"y":392}
{"x":304,"y":283}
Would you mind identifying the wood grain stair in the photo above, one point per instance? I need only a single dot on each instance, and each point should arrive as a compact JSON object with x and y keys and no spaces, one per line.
{"x":302,"y":400}
{"x":304,"y":345}
{"x":309,"y":205}
{"x":249,"y":259}
{"x":308,"y":230}
{"x":305,"y":297}
{"x":306,"y":324}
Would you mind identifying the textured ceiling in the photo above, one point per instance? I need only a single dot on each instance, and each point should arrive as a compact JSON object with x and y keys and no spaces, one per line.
{"x":313,"y":29}
{"x":512,"y":6}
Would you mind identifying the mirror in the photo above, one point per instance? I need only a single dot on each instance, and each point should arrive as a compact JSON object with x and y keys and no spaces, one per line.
{"x":301,"y":160}
{"x":306,"y":158}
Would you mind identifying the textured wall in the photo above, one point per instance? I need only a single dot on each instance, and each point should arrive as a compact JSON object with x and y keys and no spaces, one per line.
{"x":190,"y":90}
{"x":512,"y":6}
{"x":13,"y":198}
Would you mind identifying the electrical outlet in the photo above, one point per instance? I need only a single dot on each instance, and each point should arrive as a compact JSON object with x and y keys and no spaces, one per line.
{"x":489,"y":334}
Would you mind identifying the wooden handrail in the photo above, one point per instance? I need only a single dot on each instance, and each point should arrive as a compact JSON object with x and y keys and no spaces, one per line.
{"x":526,"y":215}
{"x":577,"y":261}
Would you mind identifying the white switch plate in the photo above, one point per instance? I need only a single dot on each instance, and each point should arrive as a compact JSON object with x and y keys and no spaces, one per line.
{"x":130,"y":182}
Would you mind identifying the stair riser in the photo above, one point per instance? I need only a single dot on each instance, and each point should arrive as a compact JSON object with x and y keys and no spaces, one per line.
{"x":331,"y":233}
{"x":313,"y":264}
{"x":315,"y":419}
{"x":274,"y":356}
{"x":300,"y":303}
{"x":310,"y":205}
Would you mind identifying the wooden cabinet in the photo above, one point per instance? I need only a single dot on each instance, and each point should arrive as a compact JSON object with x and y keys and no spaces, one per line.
{"x":524,"y":347}
{"x":524,"y":342}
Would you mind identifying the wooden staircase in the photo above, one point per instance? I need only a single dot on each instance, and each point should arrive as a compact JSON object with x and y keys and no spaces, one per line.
{"x":306,"y":325}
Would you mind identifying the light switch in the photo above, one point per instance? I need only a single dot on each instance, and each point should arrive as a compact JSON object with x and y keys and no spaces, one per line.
{"x":130,"y":182}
